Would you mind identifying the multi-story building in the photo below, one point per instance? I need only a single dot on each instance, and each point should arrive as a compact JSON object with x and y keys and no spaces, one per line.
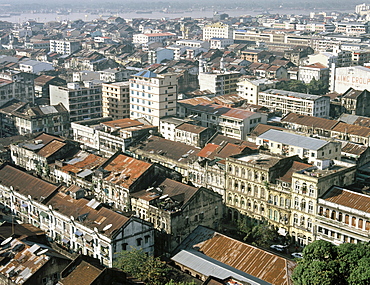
{"x":356,"y":102}
{"x":220,"y":83}
{"x":28,"y":119}
{"x":220,"y":43}
{"x":300,"y":103}
{"x":113,"y":75}
{"x":176,"y":209}
{"x":82,"y":102}
{"x":193,"y":135}
{"x":217,"y":30}
{"x":308,"y":185}
{"x":249,"y":89}
{"x":155,"y":37}
{"x":231,"y":122}
{"x":36,"y":155}
{"x":64,"y":47}
{"x":116,"y":100}
{"x":315,"y":71}
{"x":16,"y":84}
{"x":34,"y":66}
{"x":356,"y":77}
{"x":343,"y":216}
{"x":283,"y":191}
{"x":107,"y":136}
{"x":81,"y":226}
{"x":351,"y":28}
{"x":153,"y":96}
{"x":251,"y":188}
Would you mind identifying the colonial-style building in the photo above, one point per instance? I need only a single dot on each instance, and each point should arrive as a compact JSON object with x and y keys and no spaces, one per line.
{"x":343,"y":216}
{"x":80,"y":225}
{"x":176,"y":209}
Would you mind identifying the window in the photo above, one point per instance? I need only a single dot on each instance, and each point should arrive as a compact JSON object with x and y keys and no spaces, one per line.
{"x":139,"y":241}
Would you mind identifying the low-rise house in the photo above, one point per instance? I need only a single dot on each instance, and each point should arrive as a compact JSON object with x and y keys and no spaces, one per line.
{"x":289,"y":144}
{"x":327,"y":128}
{"x":34,"y":66}
{"x":81,"y":226}
{"x":176,"y":209}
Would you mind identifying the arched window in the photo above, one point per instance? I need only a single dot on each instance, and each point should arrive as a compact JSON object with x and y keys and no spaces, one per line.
{"x":303,"y":205}
{"x":310,"y":207}
{"x":304,"y":188}
{"x":236,"y":201}
{"x":333,"y":215}
{"x":321,"y":211}
{"x":287,"y":203}
{"x":311,"y":191}
{"x":242,"y":202}
{"x":296,"y":202}
{"x":236,"y":171}
{"x":297,"y":186}
{"x":302,"y":221}
{"x":281,"y":202}
{"x":243,"y":172}
{"x":340,"y":217}
{"x":295,"y":219}
{"x":276,"y":216}
{"x":360,"y":223}
{"x":262,"y":193}
{"x":270,"y":199}
{"x":309,"y":224}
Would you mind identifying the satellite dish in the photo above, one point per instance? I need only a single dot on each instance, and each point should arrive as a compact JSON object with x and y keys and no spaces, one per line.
{"x":9,"y":239}
{"x":107,"y":227}
{"x":42,"y":251}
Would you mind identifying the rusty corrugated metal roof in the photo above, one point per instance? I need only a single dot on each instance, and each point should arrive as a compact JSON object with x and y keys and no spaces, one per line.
{"x":249,"y":259}
{"x":125,"y":170}
{"x":25,"y":183}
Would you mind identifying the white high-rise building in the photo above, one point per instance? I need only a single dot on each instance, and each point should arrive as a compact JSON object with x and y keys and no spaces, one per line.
{"x":64,"y":47}
{"x":153,"y":96}
{"x":217,"y":30}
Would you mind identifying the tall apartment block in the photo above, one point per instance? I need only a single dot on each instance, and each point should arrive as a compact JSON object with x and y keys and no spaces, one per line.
{"x":153,"y":96}
{"x":116,"y":100}
{"x":82,"y":102}
{"x":64,"y":47}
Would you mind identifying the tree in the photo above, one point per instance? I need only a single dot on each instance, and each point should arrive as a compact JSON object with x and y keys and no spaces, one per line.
{"x":144,"y":267}
{"x":325,"y":263}
{"x":257,"y":233}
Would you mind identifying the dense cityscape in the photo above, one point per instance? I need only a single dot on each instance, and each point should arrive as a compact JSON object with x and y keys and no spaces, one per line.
{"x":184,"y":143}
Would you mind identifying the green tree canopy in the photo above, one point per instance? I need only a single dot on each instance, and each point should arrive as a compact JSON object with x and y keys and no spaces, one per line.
{"x":325,"y":263}
{"x":144,"y":267}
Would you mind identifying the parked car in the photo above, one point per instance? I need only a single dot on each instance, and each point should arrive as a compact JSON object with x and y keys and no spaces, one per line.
{"x":297,"y":255}
{"x":278,"y":247}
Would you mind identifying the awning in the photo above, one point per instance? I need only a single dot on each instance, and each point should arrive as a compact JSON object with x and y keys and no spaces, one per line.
{"x":24,"y":205}
{"x":65,"y":240}
{"x":88,"y":238}
{"x":43,"y":214}
{"x":78,"y":233}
